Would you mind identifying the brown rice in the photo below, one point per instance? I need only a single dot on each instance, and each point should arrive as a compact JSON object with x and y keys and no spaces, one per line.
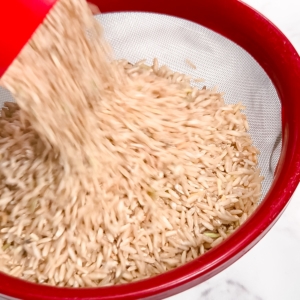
{"x":112,"y":172}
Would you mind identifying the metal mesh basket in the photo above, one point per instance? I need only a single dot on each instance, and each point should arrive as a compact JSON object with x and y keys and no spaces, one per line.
{"x":219,"y":61}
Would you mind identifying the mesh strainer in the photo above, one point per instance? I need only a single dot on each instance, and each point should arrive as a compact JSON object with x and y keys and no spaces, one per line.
{"x":266,"y":79}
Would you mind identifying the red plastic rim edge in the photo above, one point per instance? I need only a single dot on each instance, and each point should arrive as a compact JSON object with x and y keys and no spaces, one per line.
{"x":272,"y":50}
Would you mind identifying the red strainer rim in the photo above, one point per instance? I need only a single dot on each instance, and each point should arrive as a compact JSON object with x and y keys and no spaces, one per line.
{"x":272,"y":50}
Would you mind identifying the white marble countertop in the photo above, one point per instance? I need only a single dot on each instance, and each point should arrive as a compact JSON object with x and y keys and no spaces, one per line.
{"x":271,"y":270}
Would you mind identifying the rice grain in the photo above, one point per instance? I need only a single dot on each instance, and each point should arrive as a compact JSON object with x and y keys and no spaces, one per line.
{"x":113,"y":172}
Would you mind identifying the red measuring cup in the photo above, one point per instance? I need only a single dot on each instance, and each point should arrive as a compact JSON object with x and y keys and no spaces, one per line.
{"x":18,"y":21}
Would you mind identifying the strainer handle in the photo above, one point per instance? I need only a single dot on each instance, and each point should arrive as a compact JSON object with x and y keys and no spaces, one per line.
{"x":18,"y":21}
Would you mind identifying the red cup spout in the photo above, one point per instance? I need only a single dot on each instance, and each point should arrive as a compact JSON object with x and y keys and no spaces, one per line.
{"x":18,"y":21}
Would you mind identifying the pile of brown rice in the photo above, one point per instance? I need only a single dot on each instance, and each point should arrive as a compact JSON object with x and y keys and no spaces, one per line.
{"x":112,"y":172}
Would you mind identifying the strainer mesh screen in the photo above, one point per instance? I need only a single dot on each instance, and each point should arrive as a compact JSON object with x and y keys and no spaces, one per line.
{"x":219,"y":61}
